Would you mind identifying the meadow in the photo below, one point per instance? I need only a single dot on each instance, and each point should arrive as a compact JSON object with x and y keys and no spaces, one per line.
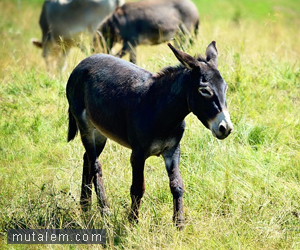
{"x":240,"y":193}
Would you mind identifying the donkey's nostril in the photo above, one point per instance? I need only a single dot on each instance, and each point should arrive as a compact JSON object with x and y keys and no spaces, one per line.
{"x":222,"y":128}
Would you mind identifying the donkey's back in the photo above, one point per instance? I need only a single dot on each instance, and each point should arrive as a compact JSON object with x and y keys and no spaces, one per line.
{"x":107,"y":89}
{"x":109,"y":75}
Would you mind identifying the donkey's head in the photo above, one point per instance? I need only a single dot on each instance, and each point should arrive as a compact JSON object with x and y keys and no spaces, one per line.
{"x":105,"y":37}
{"x":108,"y":32}
{"x":206,"y":93}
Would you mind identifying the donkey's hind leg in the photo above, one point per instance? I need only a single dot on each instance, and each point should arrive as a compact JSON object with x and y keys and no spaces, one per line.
{"x":100,"y":141}
{"x":93,"y":143}
{"x":86,"y":186}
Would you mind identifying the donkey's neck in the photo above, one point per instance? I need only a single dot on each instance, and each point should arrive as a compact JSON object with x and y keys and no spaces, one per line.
{"x":171,"y":103}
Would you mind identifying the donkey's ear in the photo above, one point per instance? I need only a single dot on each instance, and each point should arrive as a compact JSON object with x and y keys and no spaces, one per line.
{"x":187,"y":60}
{"x":212,"y":54}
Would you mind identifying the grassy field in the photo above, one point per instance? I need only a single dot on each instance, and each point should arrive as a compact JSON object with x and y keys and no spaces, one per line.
{"x":241,"y":193}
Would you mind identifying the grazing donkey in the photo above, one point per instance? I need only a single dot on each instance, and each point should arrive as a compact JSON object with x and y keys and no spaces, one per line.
{"x":62,"y":22}
{"x":112,"y":98}
{"x":146,"y":22}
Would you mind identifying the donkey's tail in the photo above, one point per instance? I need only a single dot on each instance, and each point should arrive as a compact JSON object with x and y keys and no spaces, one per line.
{"x":73,"y":129}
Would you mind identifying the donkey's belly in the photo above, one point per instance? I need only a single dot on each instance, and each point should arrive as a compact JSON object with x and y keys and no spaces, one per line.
{"x":119,"y":138}
{"x":108,"y":127}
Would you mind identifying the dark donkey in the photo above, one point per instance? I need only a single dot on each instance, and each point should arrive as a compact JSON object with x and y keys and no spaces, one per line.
{"x":147,"y":22}
{"x":113,"y":98}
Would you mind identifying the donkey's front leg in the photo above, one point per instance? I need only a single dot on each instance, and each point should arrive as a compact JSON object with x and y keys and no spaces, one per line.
{"x":132,"y":53}
{"x":171,"y":158}
{"x":125,"y":49}
{"x":138,"y":184}
{"x":128,"y":47}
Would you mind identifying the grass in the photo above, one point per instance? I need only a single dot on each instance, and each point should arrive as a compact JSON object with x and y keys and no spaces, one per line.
{"x":241,"y":193}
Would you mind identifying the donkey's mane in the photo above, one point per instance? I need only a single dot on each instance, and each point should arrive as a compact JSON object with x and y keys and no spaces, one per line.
{"x":169,"y":70}
{"x":173,"y":69}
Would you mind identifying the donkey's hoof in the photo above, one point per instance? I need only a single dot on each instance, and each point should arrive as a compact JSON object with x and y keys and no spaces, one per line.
{"x":179,"y":223}
{"x":180,"y":226}
{"x":133,"y":219}
{"x":85,"y":207}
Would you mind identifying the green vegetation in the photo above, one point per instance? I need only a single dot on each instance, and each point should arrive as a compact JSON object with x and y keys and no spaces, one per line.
{"x":241,"y":193}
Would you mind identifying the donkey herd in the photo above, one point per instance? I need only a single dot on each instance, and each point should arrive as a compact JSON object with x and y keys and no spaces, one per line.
{"x":112,"y":98}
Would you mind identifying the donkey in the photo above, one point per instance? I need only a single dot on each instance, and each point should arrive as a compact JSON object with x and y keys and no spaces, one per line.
{"x":62,"y":22}
{"x":146,"y":22}
{"x":112,"y":98}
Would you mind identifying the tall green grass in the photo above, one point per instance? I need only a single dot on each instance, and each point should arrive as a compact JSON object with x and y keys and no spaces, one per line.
{"x":241,"y":193}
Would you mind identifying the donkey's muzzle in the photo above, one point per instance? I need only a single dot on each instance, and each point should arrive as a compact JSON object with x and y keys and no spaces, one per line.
{"x":221,"y":126}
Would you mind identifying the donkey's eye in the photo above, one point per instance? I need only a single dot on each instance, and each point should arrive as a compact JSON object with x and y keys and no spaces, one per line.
{"x":204,"y":80}
{"x":205,"y":91}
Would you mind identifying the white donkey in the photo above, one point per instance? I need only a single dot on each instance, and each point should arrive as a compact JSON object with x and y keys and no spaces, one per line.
{"x":63,"y":21}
